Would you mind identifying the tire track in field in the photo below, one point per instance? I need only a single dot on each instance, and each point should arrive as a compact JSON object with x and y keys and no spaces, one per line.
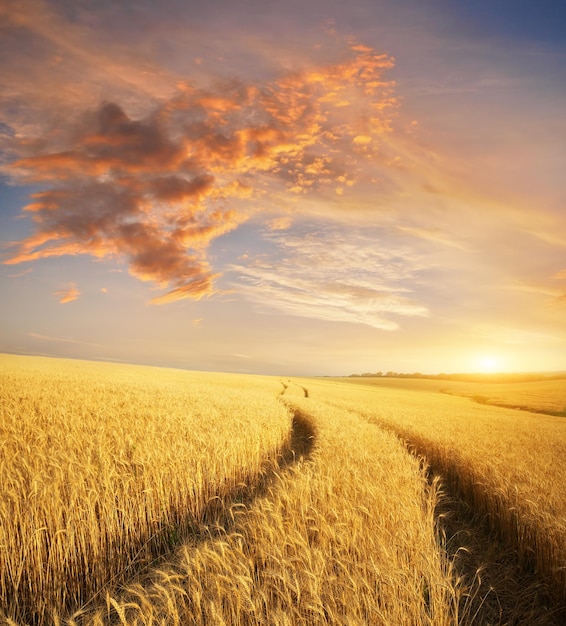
{"x":497,"y":588}
{"x":501,"y":583}
{"x":219,"y":514}
{"x":502,"y":586}
{"x":287,"y":387}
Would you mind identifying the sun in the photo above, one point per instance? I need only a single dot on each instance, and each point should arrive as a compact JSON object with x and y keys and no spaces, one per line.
{"x":489,"y":363}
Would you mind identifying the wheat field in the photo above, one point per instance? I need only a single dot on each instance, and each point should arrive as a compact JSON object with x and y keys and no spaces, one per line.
{"x":104,"y":467}
{"x":538,"y":394}
{"x":506,"y":464}
{"x":137,"y":495}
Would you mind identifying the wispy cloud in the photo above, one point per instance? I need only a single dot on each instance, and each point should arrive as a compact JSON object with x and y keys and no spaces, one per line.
{"x":435,"y":235}
{"x":67,"y":65}
{"x":49,"y":338}
{"x":20,"y":274}
{"x":156,"y":191}
{"x":68,"y":294}
{"x":334,"y":274}
{"x":280,"y":223}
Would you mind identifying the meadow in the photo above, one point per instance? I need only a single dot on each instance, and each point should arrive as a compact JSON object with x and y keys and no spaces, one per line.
{"x":138,"y":495}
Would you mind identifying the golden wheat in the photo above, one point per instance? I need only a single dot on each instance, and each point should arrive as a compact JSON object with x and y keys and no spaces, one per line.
{"x":507,"y":464}
{"x":346,"y":536}
{"x":108,"y":467}
{"x":540,"y":396}
{"x":102,"y":468}
{"x":134,"y":495}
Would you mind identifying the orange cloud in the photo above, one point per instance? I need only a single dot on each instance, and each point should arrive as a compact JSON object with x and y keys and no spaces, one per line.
{"x":68,"y":294}
{"x":177,"y":189}
{"x":60,"y":65}
{"x":156,"y":191}
{"x":280,"y":223}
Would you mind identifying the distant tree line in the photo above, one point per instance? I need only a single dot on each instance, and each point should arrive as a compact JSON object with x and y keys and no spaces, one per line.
{"x":391,"y":375}
{"x":494,"y":378}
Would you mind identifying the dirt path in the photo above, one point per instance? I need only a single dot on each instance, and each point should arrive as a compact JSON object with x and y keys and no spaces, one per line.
{"x":501,"y":587}
{"x":292,"y":388}
{"x":219,"y":516}
{"x":498,"y":588}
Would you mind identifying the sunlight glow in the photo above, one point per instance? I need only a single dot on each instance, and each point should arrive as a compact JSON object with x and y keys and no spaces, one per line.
{"x":489,"y":363}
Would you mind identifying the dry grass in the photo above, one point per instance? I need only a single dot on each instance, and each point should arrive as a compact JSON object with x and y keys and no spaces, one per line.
{"x":542,"y":396}
{"x":506,"y":465}
{"x":108,"y":467}
{"x":345,"y":536}
{"x":539,"y":396}
{"x":143,"y":496}
{"x":104,"y":468}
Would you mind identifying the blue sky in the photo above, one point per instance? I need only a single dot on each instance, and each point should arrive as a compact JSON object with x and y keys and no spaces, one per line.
{"x":303,"y":188}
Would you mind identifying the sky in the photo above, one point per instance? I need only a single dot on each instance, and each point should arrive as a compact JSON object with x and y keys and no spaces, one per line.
{"x":311,"y":187}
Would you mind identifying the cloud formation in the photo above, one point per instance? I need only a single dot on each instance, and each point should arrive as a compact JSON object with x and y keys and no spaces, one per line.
{"x":68,"y":293}
{"x":335,"y":274}
{"x":57,"y":58}
{"x":156,"y":191}
{"x":41,"y":337}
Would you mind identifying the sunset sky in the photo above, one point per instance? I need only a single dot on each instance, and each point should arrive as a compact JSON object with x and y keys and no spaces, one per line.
{"x":300,"y":187}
